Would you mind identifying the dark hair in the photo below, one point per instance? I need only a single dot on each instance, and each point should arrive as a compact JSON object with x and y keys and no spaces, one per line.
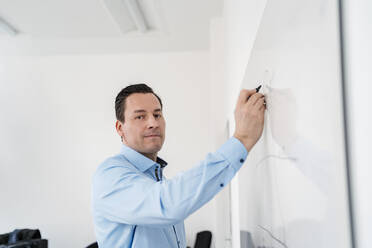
{"x":127,"y":91}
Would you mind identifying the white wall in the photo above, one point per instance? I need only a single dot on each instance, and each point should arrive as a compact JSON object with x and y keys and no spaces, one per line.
{"x":218,"y":125}
{"x":57,"y":125}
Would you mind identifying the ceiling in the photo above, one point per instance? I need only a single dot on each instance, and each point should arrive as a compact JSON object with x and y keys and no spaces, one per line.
{"x":102,"y":26}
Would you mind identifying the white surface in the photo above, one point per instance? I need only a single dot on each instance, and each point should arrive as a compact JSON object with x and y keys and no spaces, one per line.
{"x":294,"y":184}
{"x":234,"y":198}
{"x":218,"y":127}
{"x":358,"y":40}
{"x":57,"y":125}
{"x":239,"y":24}
{"x":241,"y":21}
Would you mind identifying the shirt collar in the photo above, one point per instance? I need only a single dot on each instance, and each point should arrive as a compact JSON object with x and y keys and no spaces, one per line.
{"x":142,"y":162}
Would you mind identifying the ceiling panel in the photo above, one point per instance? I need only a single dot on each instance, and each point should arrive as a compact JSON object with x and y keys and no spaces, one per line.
{"x":79,"y":18}
{"x":60,"y":26}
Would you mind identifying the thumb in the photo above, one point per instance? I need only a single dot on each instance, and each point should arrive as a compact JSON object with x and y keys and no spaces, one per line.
{"x":251,"y":92}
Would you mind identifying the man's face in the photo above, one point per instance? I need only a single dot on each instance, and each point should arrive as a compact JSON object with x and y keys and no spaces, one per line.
{"x":144,"y":126}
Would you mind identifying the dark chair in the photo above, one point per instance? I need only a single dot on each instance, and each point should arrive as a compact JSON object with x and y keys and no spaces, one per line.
{"x":23,"y":238}
{"x":203,"y":239}
{"x":94,"y":245}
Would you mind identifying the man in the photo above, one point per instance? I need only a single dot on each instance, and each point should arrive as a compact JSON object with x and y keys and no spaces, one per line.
{"x":132,"y":204}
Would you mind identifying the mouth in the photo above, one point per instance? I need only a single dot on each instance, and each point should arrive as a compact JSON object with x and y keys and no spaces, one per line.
{"x":152,"y":136}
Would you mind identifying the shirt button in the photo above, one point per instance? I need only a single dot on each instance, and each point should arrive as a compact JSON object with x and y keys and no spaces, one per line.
{"x":241,"y":160}
{"x":221,"y":185}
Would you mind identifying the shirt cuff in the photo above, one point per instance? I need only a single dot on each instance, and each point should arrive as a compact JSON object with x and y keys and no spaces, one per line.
{"x":234,"y":151}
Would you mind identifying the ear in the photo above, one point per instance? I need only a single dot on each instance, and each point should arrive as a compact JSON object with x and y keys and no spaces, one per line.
{"x":119,"y":128}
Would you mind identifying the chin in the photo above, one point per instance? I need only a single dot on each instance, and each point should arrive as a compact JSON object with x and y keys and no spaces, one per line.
{"x":156,"y":148}
{"x":154,"y":145}
{"x":152,"y":148}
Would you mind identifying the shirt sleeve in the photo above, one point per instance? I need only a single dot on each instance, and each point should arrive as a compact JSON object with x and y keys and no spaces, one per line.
{"x":123,"y":195}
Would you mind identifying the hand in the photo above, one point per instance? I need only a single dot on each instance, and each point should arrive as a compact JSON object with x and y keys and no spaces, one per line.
{"x":249,"y":117}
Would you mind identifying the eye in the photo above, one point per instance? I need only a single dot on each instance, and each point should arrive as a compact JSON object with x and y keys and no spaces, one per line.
{"x":140,"y":117}
{"x":157,"y":116}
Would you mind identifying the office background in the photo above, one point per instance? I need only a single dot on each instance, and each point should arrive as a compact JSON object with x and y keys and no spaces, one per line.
{"x":60,"y":74}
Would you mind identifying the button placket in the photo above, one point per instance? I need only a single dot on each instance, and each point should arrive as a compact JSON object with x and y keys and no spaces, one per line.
{"x":157,"y":174}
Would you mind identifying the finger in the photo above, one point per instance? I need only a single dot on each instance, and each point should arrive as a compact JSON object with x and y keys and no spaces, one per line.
{"x":244,"y":95}
{"x":254,"y":98}
{"x":263,"y":107}
{"x":260,"y":102}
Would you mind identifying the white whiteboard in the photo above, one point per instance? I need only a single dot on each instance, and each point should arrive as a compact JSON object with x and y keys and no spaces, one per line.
{"x":293,"y":187}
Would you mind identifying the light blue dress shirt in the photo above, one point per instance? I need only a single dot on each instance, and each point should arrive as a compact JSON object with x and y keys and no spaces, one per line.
{"x":133,"y":206}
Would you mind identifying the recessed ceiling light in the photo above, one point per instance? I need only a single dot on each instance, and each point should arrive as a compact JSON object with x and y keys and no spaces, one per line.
{"x":137,"y":15}
{"x":7,"y":28}
{"x":127,"y":14}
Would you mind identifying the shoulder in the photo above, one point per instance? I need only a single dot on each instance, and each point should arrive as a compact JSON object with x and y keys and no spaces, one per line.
{"x":112,"y":167}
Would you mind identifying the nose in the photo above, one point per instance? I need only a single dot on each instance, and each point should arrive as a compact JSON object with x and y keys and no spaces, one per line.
{"x":152,"y":122}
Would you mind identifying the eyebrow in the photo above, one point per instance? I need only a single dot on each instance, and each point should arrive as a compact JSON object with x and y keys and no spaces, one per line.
{"x":144,"y":111}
